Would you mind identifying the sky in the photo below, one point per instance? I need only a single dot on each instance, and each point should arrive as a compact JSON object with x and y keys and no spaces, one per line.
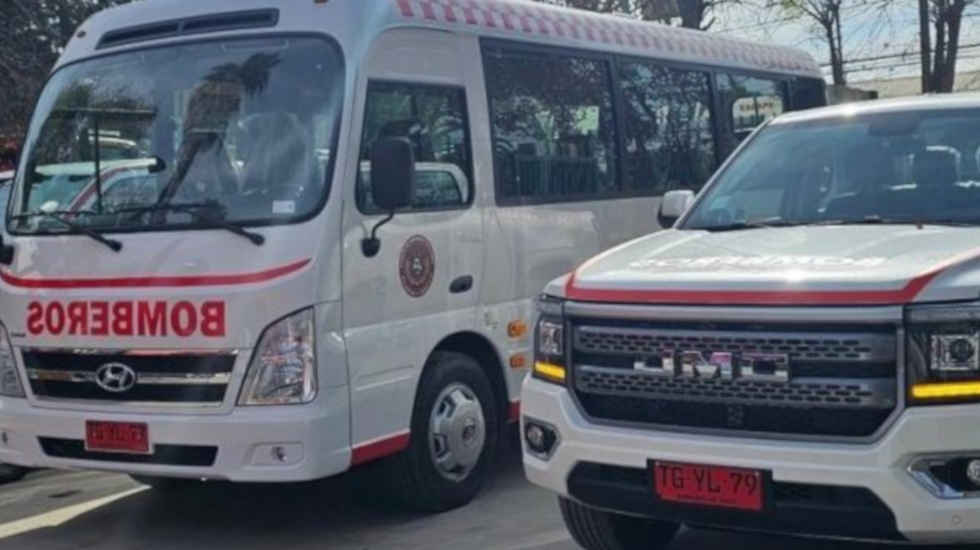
{"x":867,"y":33}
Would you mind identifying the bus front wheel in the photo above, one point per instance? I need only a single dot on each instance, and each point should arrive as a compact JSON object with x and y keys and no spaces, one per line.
{"x":455,"y":428}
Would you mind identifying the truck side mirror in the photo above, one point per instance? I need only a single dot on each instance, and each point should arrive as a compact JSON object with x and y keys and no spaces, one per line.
{"x":392,"y":183}
{"x":674,"y":205}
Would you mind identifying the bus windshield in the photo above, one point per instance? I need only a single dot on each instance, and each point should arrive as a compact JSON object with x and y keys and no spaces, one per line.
{"x":241,"y":131}
{"x":908,"y":167}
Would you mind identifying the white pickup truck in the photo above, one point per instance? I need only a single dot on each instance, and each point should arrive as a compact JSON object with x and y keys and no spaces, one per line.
{"x":800,"y":354}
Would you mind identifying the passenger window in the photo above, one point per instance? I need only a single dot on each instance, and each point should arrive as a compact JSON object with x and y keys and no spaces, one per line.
{"x":669,"y":135}
{"x":553,"y":126}
{"x":434,"y":119}
{"x":750,"y":101}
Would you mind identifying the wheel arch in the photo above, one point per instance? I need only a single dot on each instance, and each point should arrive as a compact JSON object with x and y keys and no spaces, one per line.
{"x":480,"y":348}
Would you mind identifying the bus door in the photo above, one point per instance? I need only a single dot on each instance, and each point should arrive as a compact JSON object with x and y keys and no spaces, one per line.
{"x":425,"y":278}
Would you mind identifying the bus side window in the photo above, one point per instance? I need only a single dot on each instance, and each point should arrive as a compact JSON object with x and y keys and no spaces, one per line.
{"x":554,"y":134}
{"x":434,"y":119}
{"x":748,"y":102}
{"x":668,"y":127}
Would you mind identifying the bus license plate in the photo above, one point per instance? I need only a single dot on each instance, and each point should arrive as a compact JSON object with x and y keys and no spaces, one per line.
{"x":714,"y":486}
{"x":117,"y":437}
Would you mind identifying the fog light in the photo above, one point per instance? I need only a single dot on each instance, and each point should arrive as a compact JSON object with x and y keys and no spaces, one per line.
{"x":540,"y":439}
{"x":279,"y":453}
{"x":973,"y":471}
{"x":535,"y":437}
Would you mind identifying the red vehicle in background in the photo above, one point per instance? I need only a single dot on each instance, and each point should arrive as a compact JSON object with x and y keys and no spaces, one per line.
{"x":8,"y":155}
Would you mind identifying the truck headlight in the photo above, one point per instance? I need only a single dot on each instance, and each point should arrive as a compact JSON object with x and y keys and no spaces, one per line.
{"x":10,"y":385}
{"x":944,"y":353}
{"x":549,"y":342}
{"x":283,"y":366}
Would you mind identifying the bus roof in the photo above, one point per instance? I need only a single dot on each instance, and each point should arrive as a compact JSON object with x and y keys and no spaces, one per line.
{"x":506,"y":19}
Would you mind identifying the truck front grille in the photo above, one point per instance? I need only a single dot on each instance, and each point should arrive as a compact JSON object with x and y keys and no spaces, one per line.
{"x":842,"y":381}
{"x":160,"y":378}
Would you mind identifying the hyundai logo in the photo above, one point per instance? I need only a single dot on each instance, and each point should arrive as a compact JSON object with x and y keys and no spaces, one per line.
{"x":115,"y":377}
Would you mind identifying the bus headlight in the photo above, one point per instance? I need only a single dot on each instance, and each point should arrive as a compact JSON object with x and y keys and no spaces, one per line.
{"x":944,"y":353}
{"x":283,"y":366}
{"x":10,"y":385}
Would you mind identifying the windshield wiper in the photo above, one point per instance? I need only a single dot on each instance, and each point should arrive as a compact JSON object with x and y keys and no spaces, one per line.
{"x":878,"y":220}
{"x":193,"y":210}
{"x":113,"y":244}
{"x":738,"y":226}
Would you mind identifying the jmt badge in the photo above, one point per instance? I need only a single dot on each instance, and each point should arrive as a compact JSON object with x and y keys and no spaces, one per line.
{"x":760,"y":367}
{"x":417,"y":266}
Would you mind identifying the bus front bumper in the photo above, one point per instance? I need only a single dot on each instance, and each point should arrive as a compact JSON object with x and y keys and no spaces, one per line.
{"x":839,"y":490}
{"x":249,"y":444}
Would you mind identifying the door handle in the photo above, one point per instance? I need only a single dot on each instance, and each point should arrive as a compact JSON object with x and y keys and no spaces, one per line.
{"x":461,"y":284}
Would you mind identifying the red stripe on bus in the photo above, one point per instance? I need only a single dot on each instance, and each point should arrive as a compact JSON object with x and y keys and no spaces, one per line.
{"x":379,"y":448}
{"x":166,"y":281}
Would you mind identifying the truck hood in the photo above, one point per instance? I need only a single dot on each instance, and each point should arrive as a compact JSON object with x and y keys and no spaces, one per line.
{"x":819,"y":265}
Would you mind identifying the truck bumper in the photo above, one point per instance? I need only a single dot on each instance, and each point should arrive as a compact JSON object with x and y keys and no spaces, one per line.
{"x":249,"y":444}
{"x":858,"y":491}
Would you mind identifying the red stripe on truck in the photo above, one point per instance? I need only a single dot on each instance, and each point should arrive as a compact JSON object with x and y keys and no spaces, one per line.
{"x":156,"y":281}
{"x":898,"y":296}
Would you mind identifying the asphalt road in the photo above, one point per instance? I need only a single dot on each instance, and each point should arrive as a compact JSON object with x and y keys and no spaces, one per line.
{"x":71,"y":510}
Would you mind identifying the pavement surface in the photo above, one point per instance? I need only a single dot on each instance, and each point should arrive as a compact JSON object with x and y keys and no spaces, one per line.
{"x":70,"y":510}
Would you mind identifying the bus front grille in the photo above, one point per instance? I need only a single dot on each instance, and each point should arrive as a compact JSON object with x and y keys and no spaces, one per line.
{"x":138,"y":378}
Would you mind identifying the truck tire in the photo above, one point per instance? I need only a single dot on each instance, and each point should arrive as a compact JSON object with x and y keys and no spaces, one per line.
{"x":597,"y":530}
{"x":455,"y":428}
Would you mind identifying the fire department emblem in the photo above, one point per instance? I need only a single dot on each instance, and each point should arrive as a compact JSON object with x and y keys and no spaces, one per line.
{"x":417,"y":266}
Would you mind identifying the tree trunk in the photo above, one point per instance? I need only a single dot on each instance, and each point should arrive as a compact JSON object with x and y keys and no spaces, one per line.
{"x":840,"y":77}
{"x":953,"y":20}
{"x":836,"y":63}
{"x":925,"y":43}
{"x":692,"y":13}
{"x":939,"y":53}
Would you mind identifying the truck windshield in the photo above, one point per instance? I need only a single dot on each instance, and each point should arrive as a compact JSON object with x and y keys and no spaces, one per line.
{"x":920,"y":167}
{"x":244,"y":128}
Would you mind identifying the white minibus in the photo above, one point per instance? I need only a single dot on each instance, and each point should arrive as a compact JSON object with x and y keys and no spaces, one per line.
{"x":321,"y":242}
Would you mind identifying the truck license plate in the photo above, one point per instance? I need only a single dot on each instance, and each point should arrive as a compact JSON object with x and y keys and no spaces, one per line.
{"x":117,"y":437}
{"x":715,"y":486}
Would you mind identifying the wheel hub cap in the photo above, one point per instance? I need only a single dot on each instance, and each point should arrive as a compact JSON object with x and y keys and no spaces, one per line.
{"x":457,"y":432}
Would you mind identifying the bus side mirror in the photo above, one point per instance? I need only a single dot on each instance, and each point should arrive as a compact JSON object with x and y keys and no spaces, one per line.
{"x":6,"y":252}
{"x":392,"y":174}
{"x":674,"y":205}
{"x":392,"y":184}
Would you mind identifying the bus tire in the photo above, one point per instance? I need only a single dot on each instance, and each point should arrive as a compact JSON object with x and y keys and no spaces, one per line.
{"x":598,"y":530}
{"x":10,"y":473}
{"x":163,"y":484}
{"x":455,"y":429}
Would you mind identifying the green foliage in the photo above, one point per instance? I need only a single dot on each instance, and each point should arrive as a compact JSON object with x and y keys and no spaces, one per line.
{"x":32,"y":35}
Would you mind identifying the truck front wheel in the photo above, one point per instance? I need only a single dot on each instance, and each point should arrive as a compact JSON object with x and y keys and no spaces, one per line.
{"x":454,"y":433}
{"x":597,"y":530}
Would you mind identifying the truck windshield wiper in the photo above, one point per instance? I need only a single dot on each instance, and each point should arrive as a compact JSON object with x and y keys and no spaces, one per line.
{"x":875,"y":219}
{"x":59,"y":217}
{"x":194,"y":210}
{"x":738,"y":226}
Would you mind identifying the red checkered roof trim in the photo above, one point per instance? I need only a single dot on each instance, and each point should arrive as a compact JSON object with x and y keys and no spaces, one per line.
{"x":527,"y":18}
